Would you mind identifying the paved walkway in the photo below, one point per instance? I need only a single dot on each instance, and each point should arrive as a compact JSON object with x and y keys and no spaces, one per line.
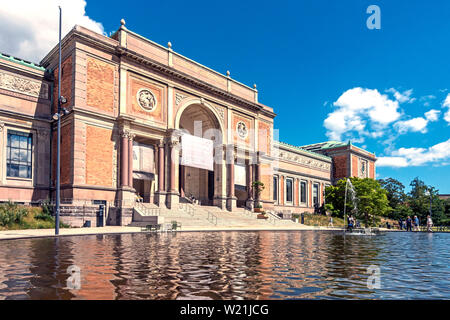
{"x":35,"y":233}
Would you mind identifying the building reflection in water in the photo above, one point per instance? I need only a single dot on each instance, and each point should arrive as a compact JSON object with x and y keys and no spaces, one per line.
{"x":194,"y":265}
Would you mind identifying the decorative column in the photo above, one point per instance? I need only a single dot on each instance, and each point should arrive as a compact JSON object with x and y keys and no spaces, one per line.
{"x":126,"y":195}
{"x":257,"y":178}
{"x":161,"y":193}
{"x":173,"y":195}
{"x":231,"y":198}
{"x":124,"y":159}
{"x":249,"y":203}
{"x":130,"y":159}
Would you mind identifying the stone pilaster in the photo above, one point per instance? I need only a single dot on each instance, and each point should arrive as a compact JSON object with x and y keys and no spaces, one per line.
{"x":231,"y":198}
{"x":126,"y":196}
{"x":160,"y":195}
{"x":173,"y":195}
{"x":130,"y":159}
{"x":249,"y":203}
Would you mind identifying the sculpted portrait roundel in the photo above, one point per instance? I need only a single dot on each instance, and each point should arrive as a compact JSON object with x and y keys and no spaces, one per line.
{"x":242,"y":130}
{"x":146,"y":99}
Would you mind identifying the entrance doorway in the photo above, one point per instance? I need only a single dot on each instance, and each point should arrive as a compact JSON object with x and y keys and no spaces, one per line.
{"x":197,"y":183}
{"x":202,"y":133}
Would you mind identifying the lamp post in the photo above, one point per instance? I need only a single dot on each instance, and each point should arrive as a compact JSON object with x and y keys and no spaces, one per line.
{"x":57,"y":116}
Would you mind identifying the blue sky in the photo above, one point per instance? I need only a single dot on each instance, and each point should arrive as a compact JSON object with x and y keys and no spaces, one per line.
{"x":323,"y":71}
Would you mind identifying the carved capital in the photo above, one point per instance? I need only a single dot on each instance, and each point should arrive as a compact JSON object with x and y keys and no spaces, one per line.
{"x":131,"y":136}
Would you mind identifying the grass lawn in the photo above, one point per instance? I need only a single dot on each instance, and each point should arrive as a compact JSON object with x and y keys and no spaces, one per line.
{"x":321,"y":220}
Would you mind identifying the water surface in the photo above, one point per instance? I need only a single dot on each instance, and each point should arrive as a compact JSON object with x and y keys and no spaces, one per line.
{"x":228,"y":265}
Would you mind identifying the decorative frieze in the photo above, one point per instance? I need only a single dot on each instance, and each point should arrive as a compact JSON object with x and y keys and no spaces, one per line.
{"x":290,"y":156}
{"x":38,"y":89}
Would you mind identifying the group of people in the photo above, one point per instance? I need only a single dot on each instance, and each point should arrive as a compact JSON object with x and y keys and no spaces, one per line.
{"x":413,"y":224}
{"x":352,"y":223}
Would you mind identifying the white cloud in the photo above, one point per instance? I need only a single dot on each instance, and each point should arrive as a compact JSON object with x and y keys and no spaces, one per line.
{"x":418,"y":124}
{"x":446,"y":103}
{"x":432,"y":115}
{"x":426,"y":99}
{"x":30,"y":28}
{"x":397,"y":162}
{"x":402,"y":97}
{"x":355,"y":108}
{"x":414,"y":125}
{"x":403,"y":157}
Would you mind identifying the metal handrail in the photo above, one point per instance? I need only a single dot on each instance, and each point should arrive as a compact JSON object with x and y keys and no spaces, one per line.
{"x":271,"y":219}
{"x":212,"y":218}
{"x":148,"y":211}
{"x":273,"y":215}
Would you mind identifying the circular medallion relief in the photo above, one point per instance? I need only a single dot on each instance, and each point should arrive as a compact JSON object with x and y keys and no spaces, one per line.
{"x":241,"y":129}
{"x":146,"y":99}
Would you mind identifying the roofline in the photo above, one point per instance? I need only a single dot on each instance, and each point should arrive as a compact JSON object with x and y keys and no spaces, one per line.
{"x":303,"y":151}
{"x":21,"y":61}
{"x":343,"y":144}
{"x":190,"y":60}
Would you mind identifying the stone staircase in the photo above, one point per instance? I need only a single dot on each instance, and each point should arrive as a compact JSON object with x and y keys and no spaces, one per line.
{"x":193,"y":215}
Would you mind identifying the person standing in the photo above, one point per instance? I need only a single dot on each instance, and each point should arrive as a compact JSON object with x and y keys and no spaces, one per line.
{"x":408,"y":224}
{"x":429,"y":224}
{"x":400,"y":223}
{"x":330,"y":224}
{"x":350,"y":223}
{"x":416,"y":223}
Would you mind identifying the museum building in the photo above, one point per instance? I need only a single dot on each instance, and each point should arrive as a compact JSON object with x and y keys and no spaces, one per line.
{"x":145,"y":123}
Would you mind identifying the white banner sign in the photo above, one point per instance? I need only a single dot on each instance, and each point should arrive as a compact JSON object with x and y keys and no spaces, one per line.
{"x":197,"y":152}
{"x":240,"y":175}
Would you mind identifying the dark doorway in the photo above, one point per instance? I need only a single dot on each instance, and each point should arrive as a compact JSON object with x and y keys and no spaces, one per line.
{"x":211,"y":186}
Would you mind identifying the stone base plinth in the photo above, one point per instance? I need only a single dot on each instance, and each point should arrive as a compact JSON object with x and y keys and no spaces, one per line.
{"x":220,"y":202}
{"x":231,"y":203}
{"x":172,"y":200}
{"x":160,"y":199}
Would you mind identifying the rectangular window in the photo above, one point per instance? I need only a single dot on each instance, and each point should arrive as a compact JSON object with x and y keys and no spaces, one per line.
{"x":275,"y":189}
{"x":18,"y":154}
{"x":303,"y":191}
{"x":289,"y":184}
{"x":316,"y":193}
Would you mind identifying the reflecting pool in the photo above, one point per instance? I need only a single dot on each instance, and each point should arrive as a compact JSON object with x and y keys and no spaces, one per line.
{"x":228,"y":265}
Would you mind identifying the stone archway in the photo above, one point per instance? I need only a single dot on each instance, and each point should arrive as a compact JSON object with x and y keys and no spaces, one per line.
{"x":209,"y":187}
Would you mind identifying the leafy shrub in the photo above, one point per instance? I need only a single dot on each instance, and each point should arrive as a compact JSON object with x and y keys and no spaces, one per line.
{"x":11,"y":213}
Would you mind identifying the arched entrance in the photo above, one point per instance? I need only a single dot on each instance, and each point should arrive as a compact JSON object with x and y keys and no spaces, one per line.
{"x":205,"y":186}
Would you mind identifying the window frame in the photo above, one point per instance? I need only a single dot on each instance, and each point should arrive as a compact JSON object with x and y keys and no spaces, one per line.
{"x":300,"y":202}
{"x":286,"y":189}
{"x":318,"y":193}
{"x":277,"y":184}
{"x":29,"y":149}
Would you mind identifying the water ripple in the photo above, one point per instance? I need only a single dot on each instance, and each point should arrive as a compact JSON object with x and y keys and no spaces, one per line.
{"x":227,"y":265}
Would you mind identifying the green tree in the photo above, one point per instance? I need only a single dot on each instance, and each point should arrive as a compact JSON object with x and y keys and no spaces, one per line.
{"x":421,"y":198}
{"x":371,"y":200}
{"x":396,"y":196}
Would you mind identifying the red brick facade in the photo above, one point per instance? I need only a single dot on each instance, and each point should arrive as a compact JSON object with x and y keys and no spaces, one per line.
{"x":100,"y":85}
